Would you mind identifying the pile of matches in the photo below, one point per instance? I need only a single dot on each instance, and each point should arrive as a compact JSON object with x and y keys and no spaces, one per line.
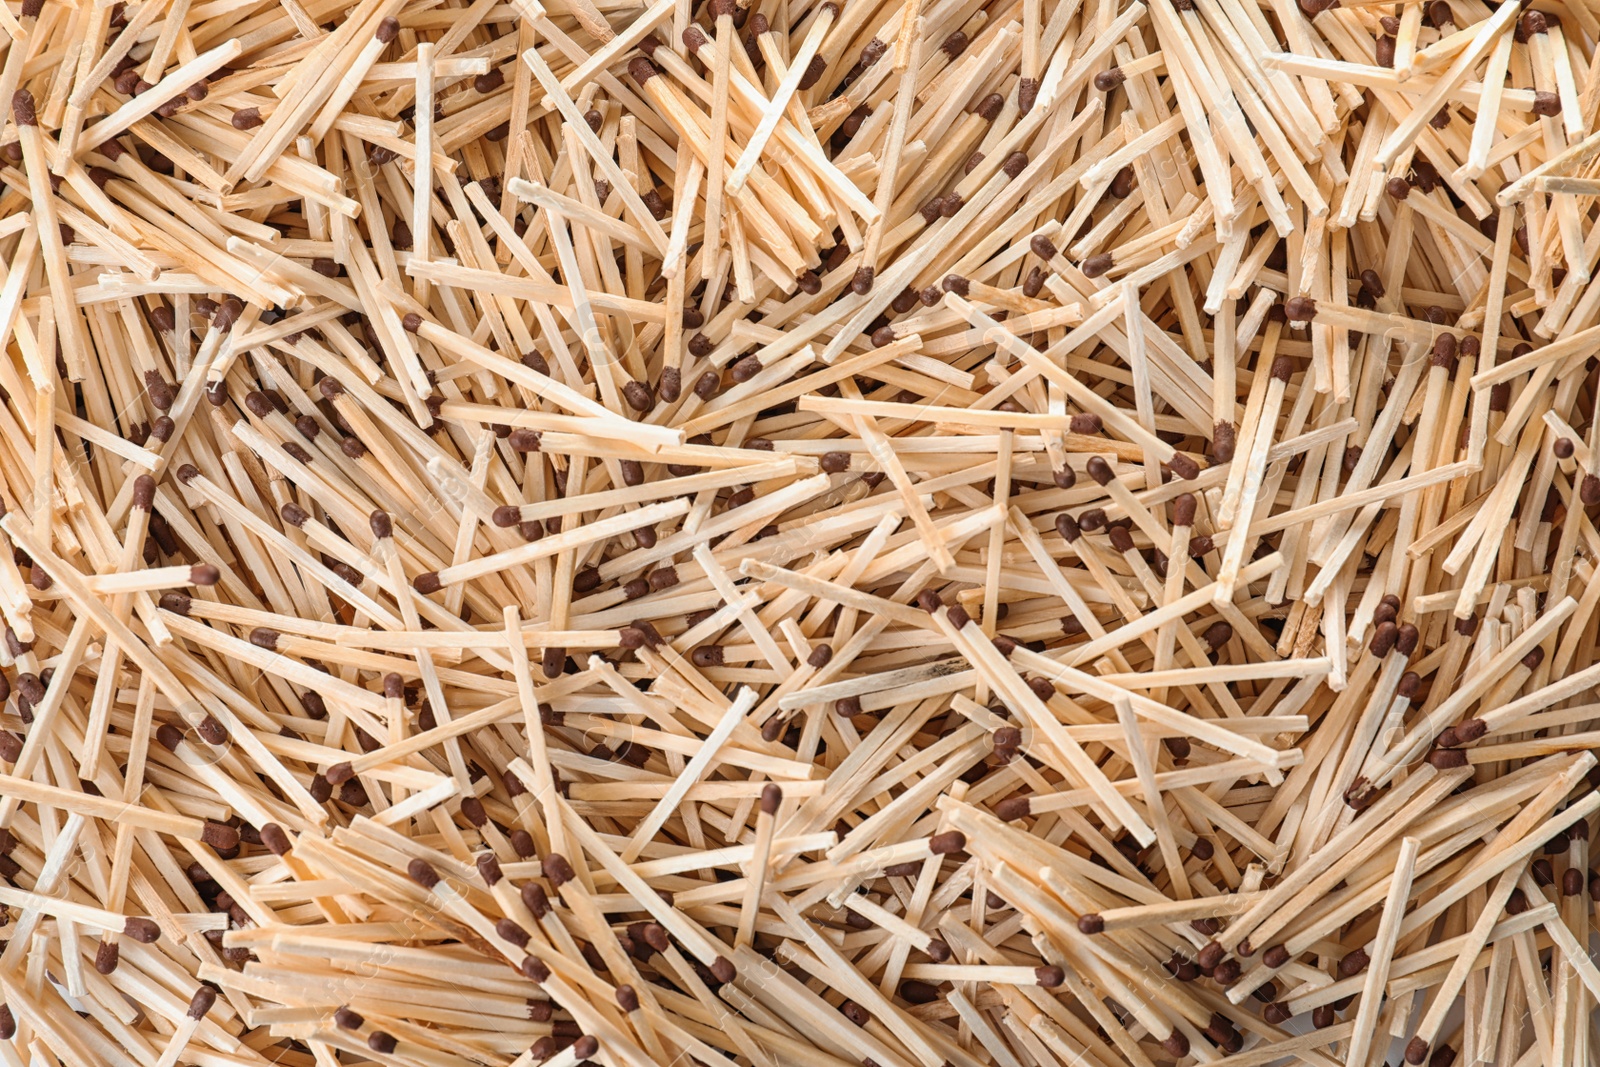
{"x":906,"y":533}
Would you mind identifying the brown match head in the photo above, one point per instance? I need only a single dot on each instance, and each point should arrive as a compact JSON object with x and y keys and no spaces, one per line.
{"x":169,"y":736}
{"x":412,"y":322}
{"x":1471,"y":730}
{"x":1210,"y":956}
{"x":820,"y":656}
{"x":204,"y":574}
{"x":388,"y":29}
{"x":1447,"y":759}
{"x":1068,"y":527}
{"x":558,"y":870}
{"x":943,"y":844}
{"x":265,"y":637}
{"x":145,"y":931}
{"x":958,"y":616}
{"x":670,"y":385}
{"x":1589,"y":490}
{"x":1097,"y":264}
{"x":382,"y":1043}
{"x":211,"y":731}
{"x":489,"y":868}
{"x":219,"y":835}
{"x":1384,"y":636}
{"x":641,"y":70}
{"x":1563,"y":448}
{"x":421,"y":872}
{"x":637,"y":396}
{"x":23,"y":108}
{"x":1100,"y":470}
{"x":1109,"y":79}
{"x":1012,"y":167}
{"x":1121,"y":539}
{"x":722,"y":970}
{"x":247,"y":118}
{"x":201,"y":1002}
{"x":1300,"y":309}
{"x":427,"y":582}
{"x":1218,"y":634}
{"x":106,"y":957}
{"x":1416,"y":1051}
{"x":1183,"y":508}
{"x":627,"y":999}
{"x":144,"y":492}
{"x":958,"y":284}
{"x":1546,"y":104}
{"x":1013,"y":808}
{"x":1532,"y":660}
{"x":1086,"y":423}
{"x":1091,"y":923}
{"x":585,"y":1047}
{"x":1406,"y":638}
{"x":814,"y":72}
{"x":694,"y":39}
{"x":274,"y":837}
{"x":506,"y":516}
{"x":1042,"y":246}
{"x":534,"y":899}
{"x":1049,"y":976}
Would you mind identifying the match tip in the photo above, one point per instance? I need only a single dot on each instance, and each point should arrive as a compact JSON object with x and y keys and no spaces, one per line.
{"x":23,"y":109}
{"x":1042,"y":246}
{"x":274,"y":837}
{"x":388,"y":29}
{"x":1091,"y":923}
{"x":421,"y":872}
{"x":412,"y":322}
{"x":144,"y":491}
{"x":943,"y":844}
{"x":201,"y":1002}
{"x":771,"y":797}
{"x":145,"y":931}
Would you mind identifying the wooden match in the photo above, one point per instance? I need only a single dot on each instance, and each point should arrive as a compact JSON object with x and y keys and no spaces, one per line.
{"x":914,"y":533}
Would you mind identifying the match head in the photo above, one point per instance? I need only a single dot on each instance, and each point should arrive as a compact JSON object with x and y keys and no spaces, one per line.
{"x":421,"y":872}
{"x":943,"y":844}
{"x":1300,"y":308}
{"x":275,"y":839}
{"x":641,"y":70}
{"x":1042,"y":246}
{"x":1097,"y":264}
{"x":1109,"y":79}
{"x":145,"y":931}
{"x":23,"y":108}
{"x":771,"y":797}
{"x":144,"y":492}
{"x":1049,"y":976}
{"x":388,"y":29}
{"x":1091,"y":923}
{"x":201,"y":1002}
{"x":412,"y":322}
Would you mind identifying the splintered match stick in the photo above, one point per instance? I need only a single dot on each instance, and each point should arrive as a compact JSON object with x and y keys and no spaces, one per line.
{"x":874,"y":532}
